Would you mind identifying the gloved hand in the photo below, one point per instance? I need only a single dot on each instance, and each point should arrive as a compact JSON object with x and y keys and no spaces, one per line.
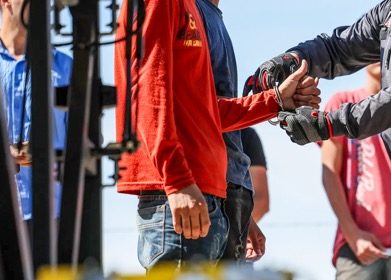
{"x":306,"y":125}
{"x":273,"y":71}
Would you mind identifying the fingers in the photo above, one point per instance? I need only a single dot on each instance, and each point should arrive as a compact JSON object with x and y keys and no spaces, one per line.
{"x":307,"y":98}
{"x":186,"y":225}
{"x":308,"y":81}
{"x":195,"y":227}
{"x":192,"y":223}
{"x":177,"y":222}
{"x":308,"y":91}
{"x":190,"y":212}
{"x":301,"y":72}
{"x":251,"y":256}
{"x":369,"y":253}
{"x":199,"y":222}
{"x":22,"y":157}
{"x":255,"y":247}
{"x":205,"y":221}
{"x":377,"y":243}
{"x":376,"y":252}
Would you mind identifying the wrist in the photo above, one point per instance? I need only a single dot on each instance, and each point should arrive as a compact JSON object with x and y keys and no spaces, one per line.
{"x":278,"y":98}
{"x":350,"y":231}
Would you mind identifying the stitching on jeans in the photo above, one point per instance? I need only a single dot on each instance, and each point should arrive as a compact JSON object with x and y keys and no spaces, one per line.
{"x":150,"y":259}
{"x":159,"y":209}
{"x":151,"y":225}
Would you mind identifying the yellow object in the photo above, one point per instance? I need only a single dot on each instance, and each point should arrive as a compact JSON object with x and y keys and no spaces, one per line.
{"x":58,"y":273}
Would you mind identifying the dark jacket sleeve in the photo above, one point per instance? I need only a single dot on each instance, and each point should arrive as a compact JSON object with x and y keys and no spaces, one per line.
{"x":368,"y":117}
{"x":348,"y":49}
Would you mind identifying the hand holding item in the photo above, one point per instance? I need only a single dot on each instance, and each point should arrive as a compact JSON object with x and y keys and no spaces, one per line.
{"x":21,"y":155}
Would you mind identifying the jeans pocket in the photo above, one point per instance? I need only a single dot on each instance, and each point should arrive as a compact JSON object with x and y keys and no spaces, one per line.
{"x":150,"y":224}
{"x":212,"y":204}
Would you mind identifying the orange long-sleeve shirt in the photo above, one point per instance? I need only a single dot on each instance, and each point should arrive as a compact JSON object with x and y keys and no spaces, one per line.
{"x":179,"y":120}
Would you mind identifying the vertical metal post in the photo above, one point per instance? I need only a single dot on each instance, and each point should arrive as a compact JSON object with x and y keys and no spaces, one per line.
{"x":91,"y":231}
{"x":15,"y":253}
{"x":44,"y":230}
{"x":78,"y":204}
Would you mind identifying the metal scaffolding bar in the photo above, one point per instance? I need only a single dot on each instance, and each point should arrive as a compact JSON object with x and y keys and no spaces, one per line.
{"x":80,"y":223}
{"x":39,"y":56}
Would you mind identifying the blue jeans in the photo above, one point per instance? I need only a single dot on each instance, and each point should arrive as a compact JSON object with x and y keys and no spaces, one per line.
{"x":159,"y":243}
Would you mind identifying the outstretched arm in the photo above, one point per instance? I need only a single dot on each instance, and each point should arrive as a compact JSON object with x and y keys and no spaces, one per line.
{"x":355,"y":120}
{"x":238,"y":113}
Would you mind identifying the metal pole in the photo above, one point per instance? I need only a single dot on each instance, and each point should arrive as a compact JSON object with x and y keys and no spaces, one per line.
{"x":85,"y":28}
{"x":44,"y":228}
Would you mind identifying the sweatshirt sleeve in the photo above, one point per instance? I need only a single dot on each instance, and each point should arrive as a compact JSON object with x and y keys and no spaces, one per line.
{"x":153,"y":106}
{"x":238,"y":113}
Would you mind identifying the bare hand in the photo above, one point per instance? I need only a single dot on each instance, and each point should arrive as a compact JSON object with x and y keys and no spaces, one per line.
{"x":366,"y":247}
{"x":255,"y":247}
{"x":303,"y":87}
{"x":307,"y":93}
{"x":22,"y":157}
{"x":190,"y":212}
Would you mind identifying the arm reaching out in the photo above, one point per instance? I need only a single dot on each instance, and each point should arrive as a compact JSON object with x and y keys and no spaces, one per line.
{"x":243,"y":112}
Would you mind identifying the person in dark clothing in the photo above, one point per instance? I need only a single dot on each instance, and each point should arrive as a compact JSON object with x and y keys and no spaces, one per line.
{"x":252,"y":147}
{"x":347,"y":50}
{"x":239,"y":203}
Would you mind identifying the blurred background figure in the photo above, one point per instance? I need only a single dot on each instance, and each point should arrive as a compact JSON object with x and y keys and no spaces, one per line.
{"x":252,"y":147}
{"x":356,"y":179}
{"x":15,"y":80}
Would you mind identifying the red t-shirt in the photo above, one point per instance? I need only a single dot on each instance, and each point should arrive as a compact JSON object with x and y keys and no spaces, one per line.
{"x":179,"y":120}
{"x":365,"y":174}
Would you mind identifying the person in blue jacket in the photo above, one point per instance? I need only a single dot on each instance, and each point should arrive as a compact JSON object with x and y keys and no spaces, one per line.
{"x":15,"y":87}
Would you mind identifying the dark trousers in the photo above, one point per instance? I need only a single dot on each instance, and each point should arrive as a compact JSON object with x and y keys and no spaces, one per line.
{"x":238,"y":207}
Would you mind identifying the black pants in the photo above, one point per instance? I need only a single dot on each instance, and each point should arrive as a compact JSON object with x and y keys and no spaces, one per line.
{"x":238,"y":207}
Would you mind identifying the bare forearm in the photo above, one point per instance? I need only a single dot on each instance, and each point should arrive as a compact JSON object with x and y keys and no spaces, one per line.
{"x":334,"y":190}
{"x":261,"y":207}
{"x":261,"y":192}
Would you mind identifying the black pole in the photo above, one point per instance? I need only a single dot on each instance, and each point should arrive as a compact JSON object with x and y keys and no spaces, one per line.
{"x":15,"y":251}
{"x":39,"y":56}
{"x":77,"y":218}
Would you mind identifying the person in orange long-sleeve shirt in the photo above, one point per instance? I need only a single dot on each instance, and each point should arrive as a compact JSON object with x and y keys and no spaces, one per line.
{"x":179,"y":171}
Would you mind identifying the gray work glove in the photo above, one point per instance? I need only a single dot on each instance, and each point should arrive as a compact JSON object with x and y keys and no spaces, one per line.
{"x":306,"y":125}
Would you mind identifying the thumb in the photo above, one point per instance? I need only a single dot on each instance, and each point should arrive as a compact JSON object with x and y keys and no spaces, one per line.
{"x":301,"y":72}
